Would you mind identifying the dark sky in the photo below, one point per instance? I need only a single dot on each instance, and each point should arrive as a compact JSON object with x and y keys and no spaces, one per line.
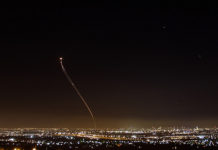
{"x":137,"y":64}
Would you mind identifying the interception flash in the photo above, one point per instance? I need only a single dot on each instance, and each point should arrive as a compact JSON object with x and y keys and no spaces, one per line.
{"x":61,"y":58}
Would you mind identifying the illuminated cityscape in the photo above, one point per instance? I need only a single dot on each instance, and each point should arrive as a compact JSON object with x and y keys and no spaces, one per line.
{"x":63,"y":138}
{"x":109,"y":75}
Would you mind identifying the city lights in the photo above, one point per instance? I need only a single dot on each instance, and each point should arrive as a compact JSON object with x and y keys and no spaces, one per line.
{"x":92,"y":138}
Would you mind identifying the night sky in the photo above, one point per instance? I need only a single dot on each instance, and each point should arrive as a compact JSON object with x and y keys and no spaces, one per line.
{"x":137,"y":64}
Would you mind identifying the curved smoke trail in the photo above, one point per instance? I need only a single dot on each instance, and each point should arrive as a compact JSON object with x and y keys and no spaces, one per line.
{"x":77,"y":91}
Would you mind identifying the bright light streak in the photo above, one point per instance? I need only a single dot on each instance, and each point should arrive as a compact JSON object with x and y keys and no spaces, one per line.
{"x":77,"y":91}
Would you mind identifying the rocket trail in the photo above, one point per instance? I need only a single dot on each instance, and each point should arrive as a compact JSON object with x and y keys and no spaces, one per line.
{"x":77,"y":91}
